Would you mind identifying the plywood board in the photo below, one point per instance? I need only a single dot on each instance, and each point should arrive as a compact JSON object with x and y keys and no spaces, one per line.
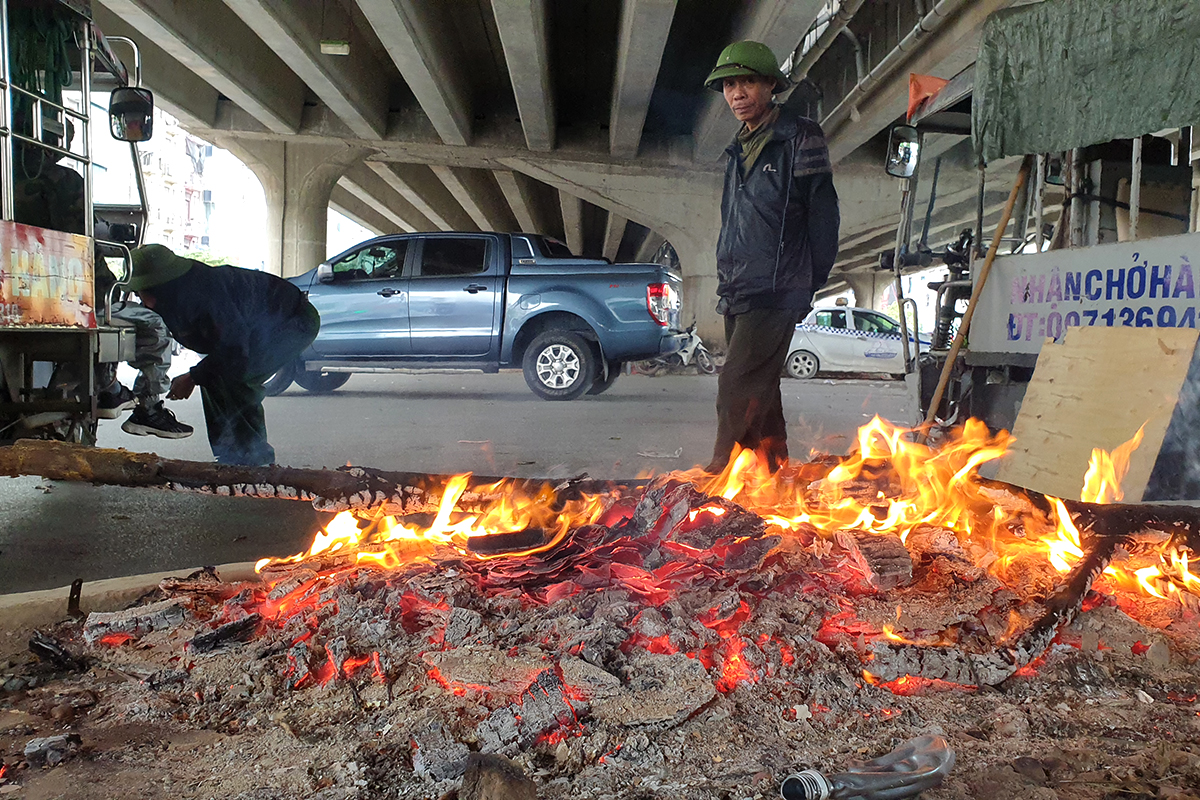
{"x":1095,"y":390}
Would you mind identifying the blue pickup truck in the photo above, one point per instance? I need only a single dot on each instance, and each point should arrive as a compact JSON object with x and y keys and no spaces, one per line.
{"x":484,"y":301}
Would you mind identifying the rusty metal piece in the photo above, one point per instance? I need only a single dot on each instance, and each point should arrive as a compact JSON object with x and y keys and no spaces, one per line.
{"x":73,"y":609}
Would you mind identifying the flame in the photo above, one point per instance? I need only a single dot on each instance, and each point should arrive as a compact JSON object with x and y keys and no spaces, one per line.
{"x":388,"y":543}
{"x":934,"y":486}
{"x":1102,"y":481}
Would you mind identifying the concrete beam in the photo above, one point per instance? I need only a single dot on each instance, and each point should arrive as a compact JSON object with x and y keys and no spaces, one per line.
{"x":417,"y":184}
{"x":225,"y":52}
{"x":945,"y":54}
{"x":572,"y":214}
{"x":387,"y":200}
{"x":522,"y":25}
{"x":780,"y":25}
{"x":362,"y":213}
{"x":477,"y":192}
{"x":614,"y":232}
{"x":426,"y":52}
{"x":363,"y":195}
{"x":176,"y":88}
{"x":352,"y":86}
{"x":519,"y":195}
{"x":645,"y":25}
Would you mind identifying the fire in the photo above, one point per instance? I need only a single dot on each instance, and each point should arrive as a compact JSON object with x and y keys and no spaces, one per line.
{"x":388,"y":543}
{"x":1102,"y":482}
{"x":934,"y":486}
{"x":889,"y":484}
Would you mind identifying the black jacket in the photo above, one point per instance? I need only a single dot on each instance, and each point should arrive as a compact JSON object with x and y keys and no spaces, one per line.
{"x":238,"y":318}
{"x":779,"y":224}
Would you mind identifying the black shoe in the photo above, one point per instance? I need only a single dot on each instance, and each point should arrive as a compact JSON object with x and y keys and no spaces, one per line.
{"x":110,"y":405}
{"x":157,"y":420}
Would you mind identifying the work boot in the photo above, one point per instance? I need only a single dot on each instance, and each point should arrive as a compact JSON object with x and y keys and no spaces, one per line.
{"x":156,"y":420}
{"x":112,"y":403}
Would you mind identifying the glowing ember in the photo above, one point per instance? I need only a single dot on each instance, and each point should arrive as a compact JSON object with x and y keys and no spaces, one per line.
{"x":701,"y":531}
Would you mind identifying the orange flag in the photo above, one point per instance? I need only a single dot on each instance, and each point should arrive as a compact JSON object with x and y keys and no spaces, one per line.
{"x":920,"y":88}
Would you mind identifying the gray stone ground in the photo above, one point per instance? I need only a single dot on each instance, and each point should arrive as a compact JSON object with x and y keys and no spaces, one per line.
{"x":51,"y":534}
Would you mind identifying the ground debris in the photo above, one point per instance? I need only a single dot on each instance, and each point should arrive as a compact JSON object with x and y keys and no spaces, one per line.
{"x":50,"y":751}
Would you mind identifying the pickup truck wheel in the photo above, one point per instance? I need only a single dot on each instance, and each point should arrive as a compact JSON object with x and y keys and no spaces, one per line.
{"x":559,"y":365}
{"x":602,"y":385}
{"x":321,"y":382}
{"x":279,"y":382}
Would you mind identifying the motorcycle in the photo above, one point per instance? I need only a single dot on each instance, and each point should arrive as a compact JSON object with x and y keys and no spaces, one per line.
{"x":693,"y":351}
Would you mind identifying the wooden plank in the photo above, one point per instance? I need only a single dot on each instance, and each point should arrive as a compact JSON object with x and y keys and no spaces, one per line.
{"x":1095,"y":390}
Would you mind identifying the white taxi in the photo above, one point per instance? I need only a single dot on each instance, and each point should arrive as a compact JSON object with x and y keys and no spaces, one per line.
{"x":847,"y":339}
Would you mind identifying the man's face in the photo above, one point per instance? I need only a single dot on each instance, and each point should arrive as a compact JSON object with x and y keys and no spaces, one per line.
{"x":147,"y":298}
{"x":749,"y":97}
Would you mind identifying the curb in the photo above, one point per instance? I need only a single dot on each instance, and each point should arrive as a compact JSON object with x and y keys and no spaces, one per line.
{"x":48,"y":606}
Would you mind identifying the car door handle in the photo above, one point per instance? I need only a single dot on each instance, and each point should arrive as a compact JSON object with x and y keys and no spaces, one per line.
{"x":388,"y":292}
{"x":474,"y":288}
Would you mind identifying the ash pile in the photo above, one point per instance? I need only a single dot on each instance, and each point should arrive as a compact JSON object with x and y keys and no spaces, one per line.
{"x":668,"y":642}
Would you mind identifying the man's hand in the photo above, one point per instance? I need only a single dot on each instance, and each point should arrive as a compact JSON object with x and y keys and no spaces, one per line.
{"x":182,"y":387}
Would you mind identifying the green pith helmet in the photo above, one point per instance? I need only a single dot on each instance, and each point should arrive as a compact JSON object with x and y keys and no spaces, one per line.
{"x":746,"y":58}
{"x":154,"y":265}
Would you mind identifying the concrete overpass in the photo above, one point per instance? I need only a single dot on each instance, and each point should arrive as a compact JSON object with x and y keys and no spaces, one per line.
{"x":585,"y":119}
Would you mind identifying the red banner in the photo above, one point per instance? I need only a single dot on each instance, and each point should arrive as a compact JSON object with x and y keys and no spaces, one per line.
{"x":46,"y":278}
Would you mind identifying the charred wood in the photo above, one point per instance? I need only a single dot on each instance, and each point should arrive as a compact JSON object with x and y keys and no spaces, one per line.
{"x":358,"y":488}
{"x":47,"y":648}
{"x":135,"y":621}
{"x":237,"y":631}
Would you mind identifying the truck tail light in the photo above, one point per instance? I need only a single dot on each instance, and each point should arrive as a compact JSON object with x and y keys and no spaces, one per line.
{"x":661,"y":300}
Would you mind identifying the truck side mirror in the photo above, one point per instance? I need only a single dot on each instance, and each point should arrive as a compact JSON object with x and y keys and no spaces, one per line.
{"x":904,"y":147}
{"x":325,"y":273}
{"x":131,"y":114}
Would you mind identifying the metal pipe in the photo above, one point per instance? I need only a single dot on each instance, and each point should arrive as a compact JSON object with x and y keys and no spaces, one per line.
{"x":6,"y":151}
{"x":906,"y":200}
{"x":1135,"y":190}
{"x":937,"y":171}
{"x":85,"y":69}
{"x":929,"y":24}
{"x":979,"y":209}
{"x":860,"y":58}
{"x":1076,"y":189}
{"x":137,"y":57}
{"x":1039,"y":210}
{"x":837,"y":23}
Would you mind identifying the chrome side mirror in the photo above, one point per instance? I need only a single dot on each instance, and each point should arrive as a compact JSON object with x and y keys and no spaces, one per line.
{"x":131,"y":114}
{"x":325,"y":273}
{"x":904,"y":149}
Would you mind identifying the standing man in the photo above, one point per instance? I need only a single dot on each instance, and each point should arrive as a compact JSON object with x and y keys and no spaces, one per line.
{"x":779,"y":237}
{"x":247,"y":324}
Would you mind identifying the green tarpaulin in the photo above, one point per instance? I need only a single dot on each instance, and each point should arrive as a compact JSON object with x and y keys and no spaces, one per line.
{"x":1070,"y":73}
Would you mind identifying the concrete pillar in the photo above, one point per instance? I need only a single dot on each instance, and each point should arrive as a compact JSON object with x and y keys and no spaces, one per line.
{"x":869,"y":287}
{"x":297,"y":180}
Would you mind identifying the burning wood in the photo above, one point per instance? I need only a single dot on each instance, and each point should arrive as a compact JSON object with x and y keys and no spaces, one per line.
{"x":592,"y":627}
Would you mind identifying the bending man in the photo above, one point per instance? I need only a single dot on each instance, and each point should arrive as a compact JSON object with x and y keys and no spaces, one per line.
{"x":247,"y":324}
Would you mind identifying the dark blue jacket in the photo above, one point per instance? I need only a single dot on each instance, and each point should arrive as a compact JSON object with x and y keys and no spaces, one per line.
{"x":779,"y":224}
{"x":238,"y":318}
